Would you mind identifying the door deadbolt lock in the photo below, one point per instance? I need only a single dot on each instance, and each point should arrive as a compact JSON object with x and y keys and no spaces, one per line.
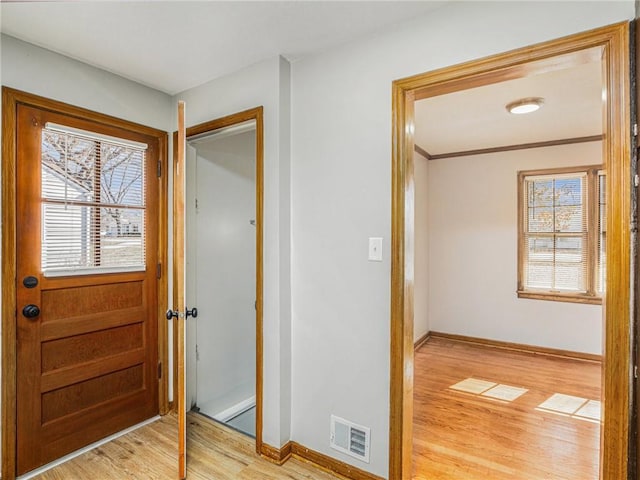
{"x":30,"y":281}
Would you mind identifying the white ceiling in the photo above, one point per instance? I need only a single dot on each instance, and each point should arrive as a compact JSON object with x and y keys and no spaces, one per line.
{"x":175,"y":45}
{"x":477,"y":118}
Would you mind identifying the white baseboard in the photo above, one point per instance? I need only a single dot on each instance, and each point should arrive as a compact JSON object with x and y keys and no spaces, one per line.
{"x":77,"y":453}
{"x":235,"y":410}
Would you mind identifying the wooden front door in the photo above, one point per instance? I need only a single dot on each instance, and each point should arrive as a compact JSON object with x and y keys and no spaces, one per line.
{"x":86,"y":286}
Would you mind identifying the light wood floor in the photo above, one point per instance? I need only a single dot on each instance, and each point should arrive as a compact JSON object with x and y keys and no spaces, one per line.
{"x":467,"y":437}
{"x":149,"y":453}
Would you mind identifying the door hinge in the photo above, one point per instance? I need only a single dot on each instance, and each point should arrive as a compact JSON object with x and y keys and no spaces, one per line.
{"x":159,"y":370}
{"x":159,"y":168}
{"x":159,"y":271}
{"x":635,"y":371}
{"x":197,"y":353}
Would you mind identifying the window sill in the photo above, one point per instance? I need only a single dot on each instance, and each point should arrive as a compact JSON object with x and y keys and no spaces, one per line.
{"x":560,"y":297}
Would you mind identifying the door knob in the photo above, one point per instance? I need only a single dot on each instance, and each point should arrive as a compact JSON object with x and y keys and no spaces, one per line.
{"x":176,"y":314}
{"x":31,"y":311}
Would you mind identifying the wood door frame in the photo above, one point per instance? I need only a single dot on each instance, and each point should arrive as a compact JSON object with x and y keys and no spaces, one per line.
{"x":11,"y":98}
{"x":255,"y":114}
{"x":614,"y":43}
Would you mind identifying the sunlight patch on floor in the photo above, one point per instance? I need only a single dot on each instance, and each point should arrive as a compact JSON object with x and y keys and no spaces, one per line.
{"x":574,"y":407}
{"x":493,"y":390}
{"x":473,"y":385}
{"x":505,"y":392}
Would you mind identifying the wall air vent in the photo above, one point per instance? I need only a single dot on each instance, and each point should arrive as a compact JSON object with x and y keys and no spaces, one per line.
{"x":349,"y":438}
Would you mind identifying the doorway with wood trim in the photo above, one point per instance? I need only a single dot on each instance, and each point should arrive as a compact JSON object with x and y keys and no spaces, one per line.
{"x":612,"y":45}
{"x":83,"y":211}
{"x":223,"y":217}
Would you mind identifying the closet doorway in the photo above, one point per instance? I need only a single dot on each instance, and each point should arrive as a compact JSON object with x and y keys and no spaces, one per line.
{"x":223,"y":256}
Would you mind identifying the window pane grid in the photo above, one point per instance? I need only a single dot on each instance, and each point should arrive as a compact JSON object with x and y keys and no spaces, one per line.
{"x":93,"y":204}
{"x":556,"y":262}
{"x":555,"y":236}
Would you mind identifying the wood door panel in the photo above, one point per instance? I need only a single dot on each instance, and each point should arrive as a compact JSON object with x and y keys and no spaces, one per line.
{"x":87,"y":365}
{"x":69,"y":351}
{"x":89,"y":419}
{"x":88,"y":370}
{"x":90,"y":323}
{"x":78,"y":433}
{"x":76,"y":301}
{"x":80,"y":396}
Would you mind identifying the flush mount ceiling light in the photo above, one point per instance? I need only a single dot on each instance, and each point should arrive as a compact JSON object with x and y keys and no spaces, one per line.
{"x":525,"y":105}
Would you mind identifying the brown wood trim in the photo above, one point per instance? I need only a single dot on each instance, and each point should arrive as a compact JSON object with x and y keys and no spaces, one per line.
{"x":519,"y":146}
{"x":558,"y":297}
{"x":179,"y":185}
{"x":519,"y":347}
{"x":421,"y":341}
{"x":512,"y":65}
{"x":401,"y":334}
{"x":618,"y":363}
{"x":331,"y":464}
{"x":421,"y":151}
{"x":11,"y":98}
{"x":9,"y":132}
{"x":276,"y":455}
{"x":163,"y":281}
{"x":256,"y":114}
{"x":612,"y":43}
{"x":228,"y":121}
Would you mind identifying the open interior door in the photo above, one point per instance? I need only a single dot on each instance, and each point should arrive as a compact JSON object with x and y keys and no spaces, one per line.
{"x":179,"y":313}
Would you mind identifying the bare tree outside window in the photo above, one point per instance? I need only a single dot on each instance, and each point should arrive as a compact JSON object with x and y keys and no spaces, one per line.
{"x":93,"y":202}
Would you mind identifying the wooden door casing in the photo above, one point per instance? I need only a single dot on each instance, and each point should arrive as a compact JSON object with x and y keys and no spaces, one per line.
{"x":179,"y":180}
{"x":87,"y":366}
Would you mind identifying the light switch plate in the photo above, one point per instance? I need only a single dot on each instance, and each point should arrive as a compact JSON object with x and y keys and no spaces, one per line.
{"x":375,"y":249}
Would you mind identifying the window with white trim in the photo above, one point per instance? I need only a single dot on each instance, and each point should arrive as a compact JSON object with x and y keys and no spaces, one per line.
{"x":93,"y":203}
{"x":562,"y":234}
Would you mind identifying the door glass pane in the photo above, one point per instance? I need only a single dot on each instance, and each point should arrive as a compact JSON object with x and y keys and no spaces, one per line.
{"x":93,"y":204}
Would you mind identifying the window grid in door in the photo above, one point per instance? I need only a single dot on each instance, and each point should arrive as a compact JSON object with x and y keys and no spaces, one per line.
{"x":93,"y":203}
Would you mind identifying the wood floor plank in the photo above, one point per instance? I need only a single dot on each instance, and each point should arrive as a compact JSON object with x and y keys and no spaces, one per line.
{"x":459,"y":435}
{"x":150,"y":453}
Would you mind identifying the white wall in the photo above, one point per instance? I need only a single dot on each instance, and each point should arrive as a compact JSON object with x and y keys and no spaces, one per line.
{"x":421,"y":247}
{"x":225,"y":270}
{"x":265,"y":84}
{"x":341,"y":179}
{"x":36,"y":70}
{"x":473,"y":253}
